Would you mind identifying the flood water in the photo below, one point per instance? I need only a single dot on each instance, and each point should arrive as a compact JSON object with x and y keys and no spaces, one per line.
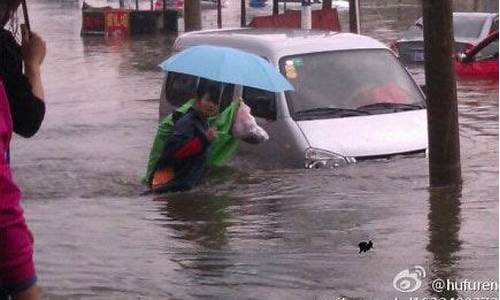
{"x":247,"y":233}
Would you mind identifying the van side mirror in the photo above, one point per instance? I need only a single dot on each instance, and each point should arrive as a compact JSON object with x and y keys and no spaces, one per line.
{"x":462,"y":57}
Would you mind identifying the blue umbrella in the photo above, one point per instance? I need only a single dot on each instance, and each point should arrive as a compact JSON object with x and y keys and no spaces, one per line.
{"x":227,"y":65}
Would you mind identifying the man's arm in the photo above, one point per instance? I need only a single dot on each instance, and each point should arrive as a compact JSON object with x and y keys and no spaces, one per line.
{"x":182,"y":143}
{"x":185,"y":148}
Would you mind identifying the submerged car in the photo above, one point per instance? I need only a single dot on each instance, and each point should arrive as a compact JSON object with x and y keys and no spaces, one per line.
{"x":353,"y":99}
{"x":481,"y":61}
{"x":468,"y":28}
{"x":179,"y":4}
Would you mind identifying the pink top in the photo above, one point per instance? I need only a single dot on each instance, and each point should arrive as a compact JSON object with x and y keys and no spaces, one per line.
{"x":10,"y":194}
{"x":16,"y":263}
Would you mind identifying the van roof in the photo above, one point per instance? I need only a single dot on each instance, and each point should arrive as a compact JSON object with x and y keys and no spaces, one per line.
{"x":275,"y":43}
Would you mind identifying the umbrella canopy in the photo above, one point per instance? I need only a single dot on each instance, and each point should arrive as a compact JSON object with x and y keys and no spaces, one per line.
{"x":227,"y":65}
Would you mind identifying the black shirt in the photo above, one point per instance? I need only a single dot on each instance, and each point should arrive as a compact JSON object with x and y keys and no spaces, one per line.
{"x":26,"y":109}
{"x":188,"y":171}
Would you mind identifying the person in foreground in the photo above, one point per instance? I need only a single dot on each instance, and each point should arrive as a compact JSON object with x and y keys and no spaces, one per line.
{"x":183,"y":160}
{"x":17,"y":271}
{"x":24,"y":90}
{"x":21,"y":110}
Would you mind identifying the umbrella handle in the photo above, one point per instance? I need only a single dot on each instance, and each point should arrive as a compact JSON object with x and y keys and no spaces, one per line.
{"x":25,"y":13}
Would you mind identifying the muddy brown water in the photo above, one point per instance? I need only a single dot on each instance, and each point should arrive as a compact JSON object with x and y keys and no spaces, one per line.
{"x":247,"y":233}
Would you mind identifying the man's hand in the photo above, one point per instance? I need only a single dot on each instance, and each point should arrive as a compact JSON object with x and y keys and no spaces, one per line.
{"x":211,"y":134}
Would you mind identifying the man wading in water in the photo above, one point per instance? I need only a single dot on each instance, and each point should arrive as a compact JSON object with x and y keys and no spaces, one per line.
{"x":183,"y":160}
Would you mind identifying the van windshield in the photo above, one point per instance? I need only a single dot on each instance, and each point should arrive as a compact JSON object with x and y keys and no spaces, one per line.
{"x":348,"y":83}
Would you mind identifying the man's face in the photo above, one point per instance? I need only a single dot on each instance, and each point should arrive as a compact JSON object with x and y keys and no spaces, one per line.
{"x":207,"y":107}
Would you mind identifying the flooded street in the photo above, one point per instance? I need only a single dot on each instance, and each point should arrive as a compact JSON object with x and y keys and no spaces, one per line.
{"x":246,"y":233}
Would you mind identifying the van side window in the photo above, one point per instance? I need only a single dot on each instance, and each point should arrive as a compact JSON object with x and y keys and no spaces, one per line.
{"x":261,"y":102}
{"x":180,"y":88}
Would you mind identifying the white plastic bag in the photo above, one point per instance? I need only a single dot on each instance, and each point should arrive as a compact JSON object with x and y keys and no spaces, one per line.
{"x":245,"y":127}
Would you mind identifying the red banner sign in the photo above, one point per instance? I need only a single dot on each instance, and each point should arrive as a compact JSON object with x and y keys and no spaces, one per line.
{"x":117,"y":22}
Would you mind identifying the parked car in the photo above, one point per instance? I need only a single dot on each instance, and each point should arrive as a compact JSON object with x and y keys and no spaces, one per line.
{"x":481,"y":61}
{"x":179,"y":4}
{"x":340,"y":5}
{"x":353,"y":99}
{"x":469,"y":29}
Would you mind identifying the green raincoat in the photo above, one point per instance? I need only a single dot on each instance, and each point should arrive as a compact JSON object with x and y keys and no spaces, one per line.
{"x":220,"y":150}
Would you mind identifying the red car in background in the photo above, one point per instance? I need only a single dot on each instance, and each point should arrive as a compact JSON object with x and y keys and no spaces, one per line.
{"x":469,"y":28}
{"x":481,"y":61}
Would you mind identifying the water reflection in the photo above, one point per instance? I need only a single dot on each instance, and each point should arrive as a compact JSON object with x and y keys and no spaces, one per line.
{"x":198,"y":218}
{"x":444,"y":243}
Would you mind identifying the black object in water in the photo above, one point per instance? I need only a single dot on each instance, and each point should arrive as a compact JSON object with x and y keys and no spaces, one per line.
{"x":364,"y":246}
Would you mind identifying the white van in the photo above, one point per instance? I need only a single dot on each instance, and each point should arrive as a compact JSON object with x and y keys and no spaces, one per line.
{"x":353,"y":100}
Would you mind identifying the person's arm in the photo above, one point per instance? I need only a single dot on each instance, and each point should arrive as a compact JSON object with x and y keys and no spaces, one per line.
{"x":187,"y":148}
{"x":33,"y":73}
{"x":192,"y":145}
{"x":27,"y":109}
{"x":33,"y":49}
{"x":182,"y":144}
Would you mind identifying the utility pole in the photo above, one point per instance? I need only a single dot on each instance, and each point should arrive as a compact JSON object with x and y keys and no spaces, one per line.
{"x":476,"y":6}
{"x":305,"y":15}
{"x":354,"y":17}
{"x":219,"y":14}
{"x":275,"y":8}
{"x":442,"y":111}
{"x":243,"y":22}
{"x":327,"y":4}
{"x":192,"y":15}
